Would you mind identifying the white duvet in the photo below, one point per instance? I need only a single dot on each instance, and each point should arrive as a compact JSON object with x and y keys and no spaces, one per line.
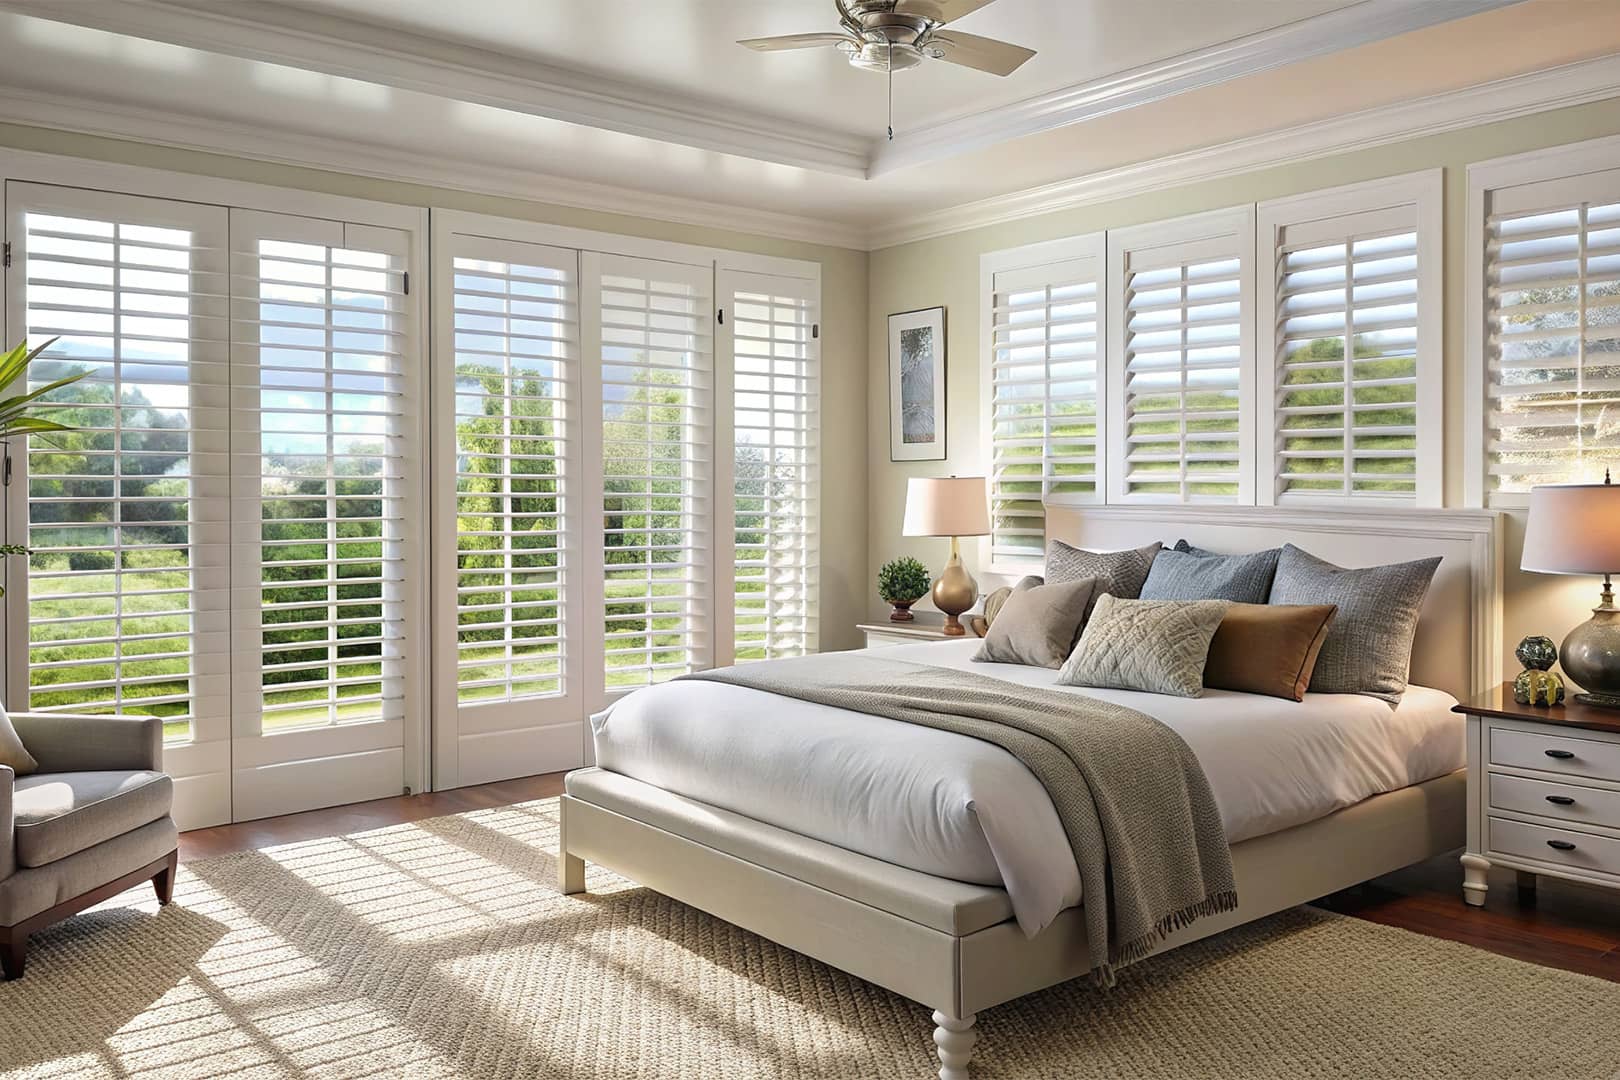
{"x":961,"y":808}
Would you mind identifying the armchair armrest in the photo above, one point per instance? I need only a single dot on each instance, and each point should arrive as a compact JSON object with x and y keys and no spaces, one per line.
{"x":8,"y":831}
{"x":66,"y":742}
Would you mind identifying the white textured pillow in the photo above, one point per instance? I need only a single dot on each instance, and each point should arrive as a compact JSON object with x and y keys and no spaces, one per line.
{"x":1155,"y":645}
{"x":12,"y":750}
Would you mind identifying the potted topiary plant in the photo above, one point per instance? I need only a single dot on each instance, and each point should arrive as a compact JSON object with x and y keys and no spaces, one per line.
{"x":901,"y":583}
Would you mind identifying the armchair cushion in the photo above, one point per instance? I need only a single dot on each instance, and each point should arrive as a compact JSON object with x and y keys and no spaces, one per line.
{"x":59,"y":814}
{"x":12,"y":751}
{"x":64,"y":742}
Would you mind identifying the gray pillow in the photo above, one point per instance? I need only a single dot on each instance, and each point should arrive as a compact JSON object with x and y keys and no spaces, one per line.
{"x":1118,"y":573}
{"x":1037,"y":626}
{"x":15,"y":754}
{"x":1190,"y":573}
{"x":1368,"y":649}
{"x":1155,"y":645}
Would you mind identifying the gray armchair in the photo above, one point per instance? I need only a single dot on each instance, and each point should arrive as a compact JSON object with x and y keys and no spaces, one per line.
{"x":91,"y":822}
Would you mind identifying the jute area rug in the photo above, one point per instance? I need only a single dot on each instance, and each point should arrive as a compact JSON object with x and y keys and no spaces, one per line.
{"x":441,"y":948}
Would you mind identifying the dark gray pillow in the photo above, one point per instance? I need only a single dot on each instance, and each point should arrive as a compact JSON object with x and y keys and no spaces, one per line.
{"x":1118,"y":573}
{"x":1190,"y":573}
{"x":1368,"y":649}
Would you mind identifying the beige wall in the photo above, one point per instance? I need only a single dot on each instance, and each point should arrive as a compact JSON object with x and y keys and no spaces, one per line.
{"x":844,"y":595}
{"x":946,"y":271}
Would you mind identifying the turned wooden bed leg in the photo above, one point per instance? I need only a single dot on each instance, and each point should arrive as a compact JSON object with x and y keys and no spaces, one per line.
{"x":1475,"y":869}
{"x":955,"y":1039}
{"x":570,"y":868}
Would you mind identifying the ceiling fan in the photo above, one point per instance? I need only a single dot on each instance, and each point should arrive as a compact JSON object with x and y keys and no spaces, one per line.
{"x":892,"y":35}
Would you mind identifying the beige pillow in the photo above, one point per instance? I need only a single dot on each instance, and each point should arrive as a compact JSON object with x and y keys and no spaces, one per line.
{"x":12,"y":751}
{"x":1155,"y":645}
{"x":1037,"y":626}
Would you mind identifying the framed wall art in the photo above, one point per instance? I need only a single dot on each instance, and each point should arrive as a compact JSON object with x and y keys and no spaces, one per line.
{"x":917,"y":385}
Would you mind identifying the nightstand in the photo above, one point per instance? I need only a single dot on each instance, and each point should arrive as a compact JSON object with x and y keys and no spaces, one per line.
{"x":1543,"y":792}
{"x":882,"y":634}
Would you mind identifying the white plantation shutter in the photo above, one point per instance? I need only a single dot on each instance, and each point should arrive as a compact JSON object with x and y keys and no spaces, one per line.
{"x":773,"y":428}
{"x":649,"y":325}
{"x":1046,"y":415}
{"x":516,"y":339}
{"x":1350,"y":295}
{"x":1180,"y":360}
{"x":128,"y":587}
{"x":321,"y":411}
{"x":1552,"y":350}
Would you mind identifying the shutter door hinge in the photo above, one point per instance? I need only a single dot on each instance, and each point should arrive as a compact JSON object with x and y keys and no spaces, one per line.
{"x":815,"y":330}
{"x":8,"y":255}
{"x":407,"y":276}
{"x":720,"y":316}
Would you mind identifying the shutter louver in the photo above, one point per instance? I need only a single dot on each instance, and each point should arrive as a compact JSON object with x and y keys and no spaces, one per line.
{"x":1347,"y":362}
{"x":128,"y":582}
{"x":1045,"y":400}
{"x":657,"y":355}
{"x":775,"y":492}
{"x":516,"y":335}
{"x":1553,"y":345}
{"x":321,"y":410}
{"x":1183,"y":377}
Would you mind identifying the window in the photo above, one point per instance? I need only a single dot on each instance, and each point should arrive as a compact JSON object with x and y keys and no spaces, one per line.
{"x":653,"y":323}
{"x":1548,"y":297}
{"x":1044,"y":388}
{"x":128,"y":584}
{"x":1349,"y":305}
{"x":774,"y":426}
{"x":1180,"y":360}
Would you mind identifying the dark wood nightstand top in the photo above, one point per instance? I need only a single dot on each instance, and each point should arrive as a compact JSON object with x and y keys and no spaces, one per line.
{"x":1499,"y":702}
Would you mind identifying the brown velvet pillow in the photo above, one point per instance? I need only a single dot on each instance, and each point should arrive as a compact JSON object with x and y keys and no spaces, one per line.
{"x":1268,"y":649}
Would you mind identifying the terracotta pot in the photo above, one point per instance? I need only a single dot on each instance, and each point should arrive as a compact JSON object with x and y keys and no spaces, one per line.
{"x":902,"y":611}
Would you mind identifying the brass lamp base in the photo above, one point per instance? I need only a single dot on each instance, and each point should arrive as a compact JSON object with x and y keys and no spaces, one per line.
{"x":955,"y":592}
{"x":1590,"y":654}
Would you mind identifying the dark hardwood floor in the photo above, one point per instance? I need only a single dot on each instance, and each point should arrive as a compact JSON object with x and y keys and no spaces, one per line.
{"x":1561,"y":925}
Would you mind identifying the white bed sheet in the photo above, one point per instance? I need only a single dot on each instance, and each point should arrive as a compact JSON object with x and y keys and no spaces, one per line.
{"x":961,"y":808}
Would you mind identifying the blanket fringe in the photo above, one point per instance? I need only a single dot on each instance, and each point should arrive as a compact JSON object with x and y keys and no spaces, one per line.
{"x":1129,"y":952}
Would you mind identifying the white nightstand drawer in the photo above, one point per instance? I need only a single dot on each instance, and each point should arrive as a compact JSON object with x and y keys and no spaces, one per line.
{"x":1553,"y":800}
{"x":1564,"y":847}
{"x":1555,"y":753}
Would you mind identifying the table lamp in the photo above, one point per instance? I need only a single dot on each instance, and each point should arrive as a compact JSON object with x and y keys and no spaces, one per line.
{"x":1575,"y":529}
{"x":952,"y":506}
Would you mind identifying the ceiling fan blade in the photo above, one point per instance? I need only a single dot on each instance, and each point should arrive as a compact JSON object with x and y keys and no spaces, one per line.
{"x":980,"y":53}
{"x":940,"y":11}
{"x":793,"y":41}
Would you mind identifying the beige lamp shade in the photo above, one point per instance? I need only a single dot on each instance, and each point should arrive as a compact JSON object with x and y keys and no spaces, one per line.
{"x":946,"y":506}
{"x":1573,"y":529}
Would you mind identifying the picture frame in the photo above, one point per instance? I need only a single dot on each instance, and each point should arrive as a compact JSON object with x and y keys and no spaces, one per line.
{"x":917,"y":419}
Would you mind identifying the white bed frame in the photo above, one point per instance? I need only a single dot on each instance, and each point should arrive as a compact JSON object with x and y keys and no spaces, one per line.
{"x":955,"y":947}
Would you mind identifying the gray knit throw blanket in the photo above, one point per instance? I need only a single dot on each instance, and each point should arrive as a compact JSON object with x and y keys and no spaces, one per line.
{"x":1133,"y":799}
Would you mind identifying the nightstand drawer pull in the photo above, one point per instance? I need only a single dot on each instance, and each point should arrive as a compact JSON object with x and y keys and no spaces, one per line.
{"x":1561,"y":755}
{"x":1561,"y":845}
{"x":1561,"y":800}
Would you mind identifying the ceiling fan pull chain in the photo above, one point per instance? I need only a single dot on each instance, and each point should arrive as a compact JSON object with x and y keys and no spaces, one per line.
{"x":891,"y":91}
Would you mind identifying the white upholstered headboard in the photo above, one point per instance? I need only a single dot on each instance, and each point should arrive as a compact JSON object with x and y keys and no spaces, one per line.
{"x":1458,"y":646}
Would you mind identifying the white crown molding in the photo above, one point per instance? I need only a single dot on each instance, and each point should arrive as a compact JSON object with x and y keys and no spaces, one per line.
{"x":1359,"y":24}
{"x":297,"y":37}
{"x":384,"y":163}
{"x":1502,"y":99}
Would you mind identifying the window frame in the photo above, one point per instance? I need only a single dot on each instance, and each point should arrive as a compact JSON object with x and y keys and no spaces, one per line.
{"x":1570,"y":162}
{"x":1424,"y":191}
{"x":1236,"y":223}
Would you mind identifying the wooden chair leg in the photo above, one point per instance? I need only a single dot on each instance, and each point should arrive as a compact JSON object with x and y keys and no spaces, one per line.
{"x":163,"y":880}
{"x":13,"y":954}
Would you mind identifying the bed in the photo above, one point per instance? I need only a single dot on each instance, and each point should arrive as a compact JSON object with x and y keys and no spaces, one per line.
{"x":919,"y":864}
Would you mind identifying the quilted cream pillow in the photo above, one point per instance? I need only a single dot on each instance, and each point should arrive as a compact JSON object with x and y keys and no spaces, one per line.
{"x":1155,"y":645}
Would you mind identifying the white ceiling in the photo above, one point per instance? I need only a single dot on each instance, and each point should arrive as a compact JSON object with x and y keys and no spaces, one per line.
{"x":669,"y":118}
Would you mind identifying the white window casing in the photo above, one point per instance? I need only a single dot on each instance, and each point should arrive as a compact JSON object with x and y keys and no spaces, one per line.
{"x":1043,"y":318}
{"x":1350,"y":367}
{"x":1180,"y":360}
{"x":1543,"y":321}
